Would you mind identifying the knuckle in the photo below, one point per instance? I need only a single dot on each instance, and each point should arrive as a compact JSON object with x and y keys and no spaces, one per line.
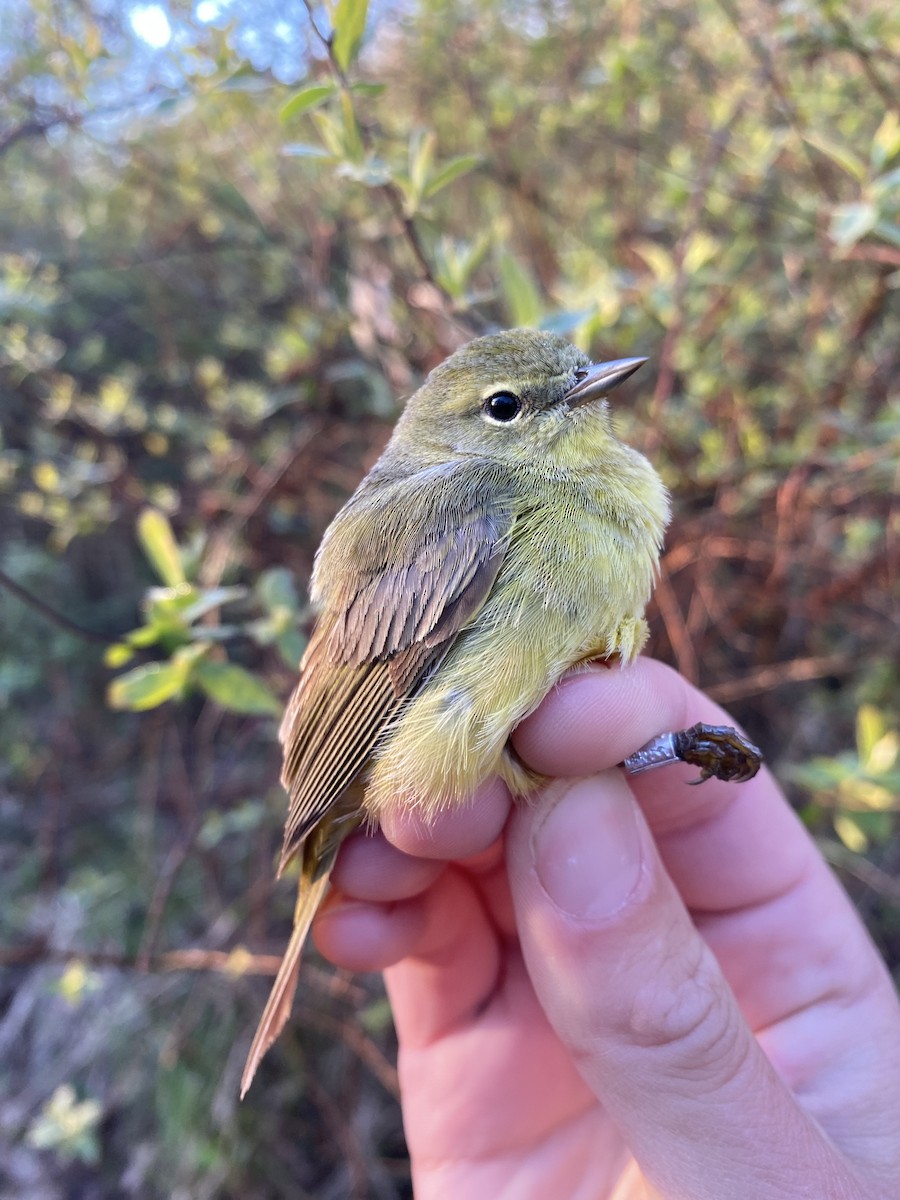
{"x":685,"y":1012}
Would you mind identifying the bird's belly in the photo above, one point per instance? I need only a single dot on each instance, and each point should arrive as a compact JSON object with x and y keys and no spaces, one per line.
{"x":554,"y":604}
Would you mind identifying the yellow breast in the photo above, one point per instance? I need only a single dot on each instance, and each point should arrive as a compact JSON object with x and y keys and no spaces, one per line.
{"x":574,"y":583}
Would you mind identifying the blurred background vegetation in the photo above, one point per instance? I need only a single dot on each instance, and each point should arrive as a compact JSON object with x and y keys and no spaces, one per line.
{"x":233,"y":236}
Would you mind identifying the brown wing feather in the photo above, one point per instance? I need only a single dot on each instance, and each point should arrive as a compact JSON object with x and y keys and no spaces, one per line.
{"x":381,"y":633}
{"x":399,"y":575}
{"x":334,"y":720}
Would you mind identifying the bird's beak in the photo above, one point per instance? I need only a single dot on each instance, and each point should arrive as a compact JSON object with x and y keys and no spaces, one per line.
{"x":596,"y":380}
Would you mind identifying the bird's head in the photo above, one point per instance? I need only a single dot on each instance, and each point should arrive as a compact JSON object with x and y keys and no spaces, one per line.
{"x":514,"y":396}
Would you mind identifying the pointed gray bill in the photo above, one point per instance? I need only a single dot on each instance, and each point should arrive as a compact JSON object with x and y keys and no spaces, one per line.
{"x":593,"y":382}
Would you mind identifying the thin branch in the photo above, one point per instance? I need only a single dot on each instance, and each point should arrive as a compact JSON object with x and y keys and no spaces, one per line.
{"x":866,"y":61}
{"x":799,"y":670}
{"x":389,"y":190}
{"x":766,"y":63}
{"x":354,"y":1036}
{"x":236,"y":963}
{"x":665,"y":379}
{"x":173,"y":863}
{"x":51,"y":614}
{"x":34,"y":127}
{"x":219,"y":549}
{"x":38,"y":124}
{"x":866,"y":872}
{"x":676,"y":630}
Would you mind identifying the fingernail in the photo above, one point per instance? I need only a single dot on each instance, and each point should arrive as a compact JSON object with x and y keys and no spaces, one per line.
{"x":588,"y":851}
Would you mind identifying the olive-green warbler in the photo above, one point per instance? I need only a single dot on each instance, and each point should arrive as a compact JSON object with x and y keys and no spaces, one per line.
{"x":505,"y":535}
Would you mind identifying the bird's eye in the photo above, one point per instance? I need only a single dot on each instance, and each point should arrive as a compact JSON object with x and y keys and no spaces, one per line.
{"x":502,"y":407}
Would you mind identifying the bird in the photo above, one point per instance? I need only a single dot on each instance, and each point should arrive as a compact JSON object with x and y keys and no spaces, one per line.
{"x":505,"y":535}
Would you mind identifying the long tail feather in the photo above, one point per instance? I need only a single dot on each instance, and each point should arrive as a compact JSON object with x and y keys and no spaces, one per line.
{"x":313,"y":885}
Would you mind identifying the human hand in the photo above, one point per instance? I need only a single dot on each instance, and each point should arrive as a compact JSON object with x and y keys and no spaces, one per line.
{"x":669,"y":994}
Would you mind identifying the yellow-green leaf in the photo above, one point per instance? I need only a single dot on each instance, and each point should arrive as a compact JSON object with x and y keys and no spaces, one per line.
{"x":353,"y":147}
{"x":421,"y":155}
{"x":158,"y":541}
{"x":883,"y":754}
{"x":520,"y":292}
{"x":118,"y":655}
{"x":886,"y":142}
{"x":308,"y":98}
{"x":236,"y":689}
{"x":851,"y":222}
{"x":870,"y":727}
{"x":449,"y":171}
{"x":145,"y":687}
{"x":349,"y":27}
{"x":76,"y":982}
{"x":850,"y":833}
{"x":330,"y":133}
{"x":839,"y":154}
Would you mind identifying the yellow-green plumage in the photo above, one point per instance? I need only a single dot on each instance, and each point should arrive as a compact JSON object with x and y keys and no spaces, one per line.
{"x":477,"y":562}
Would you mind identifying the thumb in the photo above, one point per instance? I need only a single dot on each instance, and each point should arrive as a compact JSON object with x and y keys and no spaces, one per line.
{"x":637,"y":997}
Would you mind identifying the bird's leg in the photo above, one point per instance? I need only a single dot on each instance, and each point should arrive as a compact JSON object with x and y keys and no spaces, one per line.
{"x":718,"y":750}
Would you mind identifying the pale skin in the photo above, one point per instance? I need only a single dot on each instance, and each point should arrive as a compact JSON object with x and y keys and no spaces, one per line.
{"x":626,"y":988}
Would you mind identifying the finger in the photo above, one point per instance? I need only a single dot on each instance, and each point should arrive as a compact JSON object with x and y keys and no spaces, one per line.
{"x":784,"y":933}
{"x":635,"y":994}
{"x":453,"y":968}
{"x":596,"y":716}
{"x":731,"y":849}
{"x":370,"y":868}
{"x":364,"y":924}
{"x":359,"y":936}
{"x":466,"y":829}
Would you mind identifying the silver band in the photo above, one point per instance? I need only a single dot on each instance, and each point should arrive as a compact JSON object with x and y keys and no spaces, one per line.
{"x":657,"y":753}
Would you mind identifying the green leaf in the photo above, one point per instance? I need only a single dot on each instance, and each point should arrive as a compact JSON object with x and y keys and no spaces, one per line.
{"x":565,"y":321}
{"x":844,"y":158}
{"x":847,"y":828}
{"x":349,"y":27}
{"x":520,"y":292}
{"x":852,"y":222}
{"x":888,"y":231}
{"x":421,"y":155}
{"x":457,"y":261}
{"x":886,"y":142}
{"x":368,"y":89}
{"x":309,"y":98}
{"x":305,"y":150}
{"x":145,"y":687}
{"x":118,"y":655}
{"x":147,"y":635}
{"x":276,"y":588}
{"x":372,"y":172}
{"x":237,"y":689}
{"x":210,"y":599}
{"x":291,"y":645}
{"x":870,"y":728}
{"x":449,"y":171}
{"x":68,"y":1126}
{"x":330,"y":132}
{"x":158,"y":542}
{"x":887,"y":185}
{"x":353,"y":147}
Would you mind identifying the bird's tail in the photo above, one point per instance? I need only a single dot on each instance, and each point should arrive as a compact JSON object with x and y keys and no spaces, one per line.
{"x":315,"y":870}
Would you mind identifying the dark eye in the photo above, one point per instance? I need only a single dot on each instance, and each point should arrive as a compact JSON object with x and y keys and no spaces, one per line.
{"x":502,"y":407}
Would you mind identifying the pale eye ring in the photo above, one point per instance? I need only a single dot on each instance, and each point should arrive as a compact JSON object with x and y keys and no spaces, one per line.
{"x":502,"y":407}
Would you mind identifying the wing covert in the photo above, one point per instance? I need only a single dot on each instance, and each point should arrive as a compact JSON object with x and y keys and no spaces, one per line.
{"x":386,"y":623}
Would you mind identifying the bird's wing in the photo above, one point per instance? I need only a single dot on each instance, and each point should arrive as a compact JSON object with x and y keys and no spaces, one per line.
{"x":402,"y":573}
